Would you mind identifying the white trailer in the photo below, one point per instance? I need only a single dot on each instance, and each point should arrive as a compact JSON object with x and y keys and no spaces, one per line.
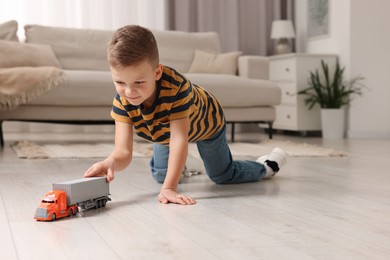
{"x":86,"y":193}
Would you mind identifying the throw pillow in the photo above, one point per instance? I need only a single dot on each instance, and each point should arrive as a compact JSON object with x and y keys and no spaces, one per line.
{"x":8,"y":31}
{"x":15,"y":54}
{"x":224,"y":63}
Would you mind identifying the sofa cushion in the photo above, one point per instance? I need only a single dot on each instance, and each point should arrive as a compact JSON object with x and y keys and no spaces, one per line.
{"x":76,"y":49}
{"x":82,"y":88}
{"x":86,"y":49}
{"x":177,"y":49}
{"x":15,"y":54}
{"x":234,"y":91}
{"x":206,"y":62}
{"x":8,"y":31}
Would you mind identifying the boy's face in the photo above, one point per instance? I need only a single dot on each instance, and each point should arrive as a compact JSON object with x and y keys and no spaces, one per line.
{"x":137,"y":83}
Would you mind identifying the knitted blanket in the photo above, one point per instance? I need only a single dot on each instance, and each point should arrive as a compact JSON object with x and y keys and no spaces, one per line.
{"x":20,"y":85}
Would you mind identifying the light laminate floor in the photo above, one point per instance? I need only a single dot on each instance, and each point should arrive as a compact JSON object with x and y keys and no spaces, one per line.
{"x":316,"y":208}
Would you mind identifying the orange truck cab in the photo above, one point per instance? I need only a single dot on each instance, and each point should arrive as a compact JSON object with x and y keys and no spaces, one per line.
{"x":54,"y":205}
{"x":66,"y":197}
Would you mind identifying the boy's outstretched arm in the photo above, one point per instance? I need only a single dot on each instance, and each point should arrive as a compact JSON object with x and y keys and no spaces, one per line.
{"x":178,"y":150}
{"x":120,"y":158}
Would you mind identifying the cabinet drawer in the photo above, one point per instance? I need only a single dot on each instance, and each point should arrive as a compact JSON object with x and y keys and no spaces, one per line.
{"x":283,"y":70}
{"x":289,"y":93}
{"x":286,"y":117}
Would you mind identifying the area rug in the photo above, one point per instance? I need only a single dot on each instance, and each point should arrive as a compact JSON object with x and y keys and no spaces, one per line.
{"x":293,"y":149}
{"x":30,"y":150}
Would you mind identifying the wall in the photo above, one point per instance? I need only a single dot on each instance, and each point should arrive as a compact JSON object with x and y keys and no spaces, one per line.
{"x":370,"y":57}
{"x":358,"y":34}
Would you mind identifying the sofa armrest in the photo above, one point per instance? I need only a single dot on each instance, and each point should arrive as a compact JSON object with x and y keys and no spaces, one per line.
{"x":253,"y":67}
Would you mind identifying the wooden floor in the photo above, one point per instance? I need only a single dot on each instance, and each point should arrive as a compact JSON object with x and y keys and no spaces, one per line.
{"x":315,"y":208}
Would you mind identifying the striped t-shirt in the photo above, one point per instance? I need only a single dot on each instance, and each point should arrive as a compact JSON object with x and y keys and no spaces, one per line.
{"x":176,"y":98}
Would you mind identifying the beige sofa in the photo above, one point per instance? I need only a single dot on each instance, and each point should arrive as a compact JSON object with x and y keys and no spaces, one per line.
{"x":87,"y":94}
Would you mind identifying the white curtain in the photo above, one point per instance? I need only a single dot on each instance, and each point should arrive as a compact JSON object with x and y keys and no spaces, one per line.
{"x":95,"y":14}
{"x":243,"y":25}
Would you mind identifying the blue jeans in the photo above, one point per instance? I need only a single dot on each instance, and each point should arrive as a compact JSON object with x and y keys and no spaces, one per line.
{"x":217,"y":159}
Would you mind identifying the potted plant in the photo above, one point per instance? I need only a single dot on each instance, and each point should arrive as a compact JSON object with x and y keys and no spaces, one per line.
{"x":332,"y":94}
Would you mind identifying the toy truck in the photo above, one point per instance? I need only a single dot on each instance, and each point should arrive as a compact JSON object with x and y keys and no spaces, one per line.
{"x":66,"y":197}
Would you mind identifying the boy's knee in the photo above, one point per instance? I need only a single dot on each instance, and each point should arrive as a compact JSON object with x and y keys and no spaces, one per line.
{"x":222,"y":179}
{"x":159,"y":176}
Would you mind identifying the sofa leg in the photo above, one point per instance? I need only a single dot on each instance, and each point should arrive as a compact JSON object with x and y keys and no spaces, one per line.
{"x":270,"y":130}
{"x":1,"y":134}
{"x":233,"y":132}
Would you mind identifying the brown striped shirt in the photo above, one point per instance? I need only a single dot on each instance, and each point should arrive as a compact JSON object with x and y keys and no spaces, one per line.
{"x":176,"y":98}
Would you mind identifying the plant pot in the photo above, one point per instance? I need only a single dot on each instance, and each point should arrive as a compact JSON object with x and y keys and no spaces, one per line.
{"x":333,"y":123}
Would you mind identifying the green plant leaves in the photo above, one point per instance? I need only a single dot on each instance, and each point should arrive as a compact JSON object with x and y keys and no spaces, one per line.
{"x":330,"y":92}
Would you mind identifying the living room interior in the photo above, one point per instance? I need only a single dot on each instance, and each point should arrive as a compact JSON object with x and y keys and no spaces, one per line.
{"x":328,"y":202}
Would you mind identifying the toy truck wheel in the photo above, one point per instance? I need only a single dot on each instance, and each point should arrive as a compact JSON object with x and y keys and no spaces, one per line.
{"x":53,"y":217}
{"x":75,"y":211}
{"x":70,"y":212}
{"x":104,"y":203}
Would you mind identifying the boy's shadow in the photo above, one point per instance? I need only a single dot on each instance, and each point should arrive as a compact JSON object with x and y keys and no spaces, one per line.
{"x":196,"y":186}
{"x":224,"y":191}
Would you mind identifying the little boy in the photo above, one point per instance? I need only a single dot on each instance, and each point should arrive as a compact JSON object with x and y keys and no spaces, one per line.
{"x":165,"y":108}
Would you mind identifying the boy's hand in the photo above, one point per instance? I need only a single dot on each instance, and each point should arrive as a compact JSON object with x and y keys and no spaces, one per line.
{"x":103,"y":168}
{"x":169,"y":195}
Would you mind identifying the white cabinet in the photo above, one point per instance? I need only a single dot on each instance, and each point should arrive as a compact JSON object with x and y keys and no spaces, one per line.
{"x":291,"y":72}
